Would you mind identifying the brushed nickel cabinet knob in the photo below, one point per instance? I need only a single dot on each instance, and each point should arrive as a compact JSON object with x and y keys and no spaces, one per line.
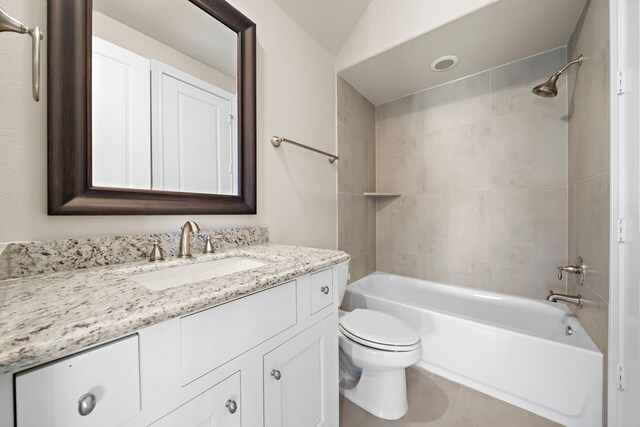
{"x":86,"y":404}
{"x":232,"y":406}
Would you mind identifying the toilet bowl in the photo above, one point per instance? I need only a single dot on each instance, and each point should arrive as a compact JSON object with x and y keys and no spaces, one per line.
{"x":382,"y":346}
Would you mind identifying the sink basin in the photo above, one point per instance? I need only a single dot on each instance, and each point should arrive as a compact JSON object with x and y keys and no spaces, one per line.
{"x":178,"y":276}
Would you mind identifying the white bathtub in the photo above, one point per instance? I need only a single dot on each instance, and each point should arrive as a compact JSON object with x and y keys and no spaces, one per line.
{"x":515,"y":349}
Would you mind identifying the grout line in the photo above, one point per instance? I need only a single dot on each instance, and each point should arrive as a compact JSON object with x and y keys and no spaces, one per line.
{"x":590,"y":178}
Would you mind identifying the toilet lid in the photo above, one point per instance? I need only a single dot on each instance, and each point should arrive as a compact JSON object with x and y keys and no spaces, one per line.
{"x":374,"y":327}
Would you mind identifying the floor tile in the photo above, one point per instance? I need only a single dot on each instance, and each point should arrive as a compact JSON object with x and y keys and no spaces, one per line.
{"x":437,"y":402}
{"x":475,"y":409}
{"x":431,"y":400}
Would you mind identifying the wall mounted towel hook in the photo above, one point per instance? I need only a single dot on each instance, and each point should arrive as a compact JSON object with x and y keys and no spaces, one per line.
{"x":8,"y":23}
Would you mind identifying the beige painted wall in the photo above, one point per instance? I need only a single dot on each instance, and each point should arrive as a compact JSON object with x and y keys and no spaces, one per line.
{"x":356,"y":175}
{"x":589,"y":167}
{"x":297,"y":197}
{"x":481,"y":164}
{"x":119,"y":34}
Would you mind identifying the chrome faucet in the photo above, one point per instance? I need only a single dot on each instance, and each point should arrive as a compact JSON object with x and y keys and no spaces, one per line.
{"x":184,"y":250}
{"x":571,"y":299}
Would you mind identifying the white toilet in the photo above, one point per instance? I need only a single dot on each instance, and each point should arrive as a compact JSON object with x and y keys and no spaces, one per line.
{"x":382,"y":346}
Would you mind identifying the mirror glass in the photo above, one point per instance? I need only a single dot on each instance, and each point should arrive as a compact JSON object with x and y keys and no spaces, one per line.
{"x":164,"y":98}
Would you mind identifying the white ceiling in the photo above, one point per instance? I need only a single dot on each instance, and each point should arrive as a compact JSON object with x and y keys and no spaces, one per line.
{"x":503,"y":32}
{"x":178,"y":24}
{"x":328,"y":21}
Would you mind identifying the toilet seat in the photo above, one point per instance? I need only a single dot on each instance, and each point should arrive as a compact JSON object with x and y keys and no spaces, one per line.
{"x":379,"y":331}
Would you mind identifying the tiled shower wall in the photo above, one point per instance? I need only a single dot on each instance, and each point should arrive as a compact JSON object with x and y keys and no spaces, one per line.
{"x":589,"y":167}
{"x":356,"y":175}
{"x":481,"y":164}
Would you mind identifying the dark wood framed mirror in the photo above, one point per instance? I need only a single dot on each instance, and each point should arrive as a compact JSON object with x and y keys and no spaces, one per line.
{"x":72,"y":148}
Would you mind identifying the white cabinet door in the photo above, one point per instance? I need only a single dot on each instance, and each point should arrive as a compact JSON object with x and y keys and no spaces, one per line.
{"x":121,"y":120}
{"x":217,"y":407}
{"x":193,"y":143}
{"x":300,"y":379}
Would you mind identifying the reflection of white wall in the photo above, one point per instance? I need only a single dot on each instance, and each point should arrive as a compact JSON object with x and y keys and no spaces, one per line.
{"x":137,"y":42}
{"x":296,"y":189}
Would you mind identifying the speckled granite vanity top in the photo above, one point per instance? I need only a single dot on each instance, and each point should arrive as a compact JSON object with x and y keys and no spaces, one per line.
{"x":48,"y":316}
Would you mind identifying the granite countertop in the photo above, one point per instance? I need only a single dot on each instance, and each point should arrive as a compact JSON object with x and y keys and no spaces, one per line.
{"x":48,"y":316}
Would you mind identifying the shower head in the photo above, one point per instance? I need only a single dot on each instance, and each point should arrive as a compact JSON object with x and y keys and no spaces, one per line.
{"x":549,"y":89}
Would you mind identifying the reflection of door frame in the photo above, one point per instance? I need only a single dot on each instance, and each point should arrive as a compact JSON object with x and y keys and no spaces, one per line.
{"x":158,"y":69}
{"x":624,"y":381}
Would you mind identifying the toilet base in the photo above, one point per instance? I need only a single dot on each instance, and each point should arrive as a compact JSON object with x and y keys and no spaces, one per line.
{"x":381,"y":393}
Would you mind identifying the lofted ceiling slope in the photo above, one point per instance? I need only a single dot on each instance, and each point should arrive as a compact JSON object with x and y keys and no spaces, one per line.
{"x":502,"y":32}
{"x":328,"y":21}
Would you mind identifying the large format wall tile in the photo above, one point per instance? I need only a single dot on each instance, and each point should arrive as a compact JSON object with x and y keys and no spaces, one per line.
{"x":489,"y":173}
{"x":396,"y":166}
{"x":402,"y":263}
{"x":455,"y":271}
{"x":455,"y":225}
{"x":589,"y":165}
{"x":353,"y":166}
{"x":529,"y":149}
{"x":356,"y":175}
{"x":451,"y":105}
{"x":591,"y":234}
{"x":454,"y":159}
{"x":353,"y":231}
{"x":511,"y":84}
{"x":396,"y":119}
{"x":396,"y":224}
{"x":354,"y":110}
{"x":530,"y":226}
{"x":589,"y":145}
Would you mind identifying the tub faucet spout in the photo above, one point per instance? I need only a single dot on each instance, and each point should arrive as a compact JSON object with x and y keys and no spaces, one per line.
{"x":571,"y":299}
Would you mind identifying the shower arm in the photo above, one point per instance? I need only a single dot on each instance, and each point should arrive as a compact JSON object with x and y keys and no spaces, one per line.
{"x":8,"y":23}
{"x":569,"y":64}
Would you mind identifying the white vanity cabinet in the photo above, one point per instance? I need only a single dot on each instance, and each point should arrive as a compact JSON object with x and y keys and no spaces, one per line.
{"x":206,"y":410}
{"x":103,"y":383}
{"x":269,"y":359}
{"x":296,"y":385}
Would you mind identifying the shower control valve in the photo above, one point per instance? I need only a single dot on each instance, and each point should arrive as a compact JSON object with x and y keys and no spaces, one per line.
{"x":580,"y":268}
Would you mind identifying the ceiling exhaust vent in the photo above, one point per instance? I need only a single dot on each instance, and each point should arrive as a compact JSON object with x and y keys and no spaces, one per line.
{"x":444,"y":63}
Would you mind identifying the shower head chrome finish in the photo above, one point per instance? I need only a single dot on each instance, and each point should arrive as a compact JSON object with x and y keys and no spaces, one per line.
{"x":549,"y":89}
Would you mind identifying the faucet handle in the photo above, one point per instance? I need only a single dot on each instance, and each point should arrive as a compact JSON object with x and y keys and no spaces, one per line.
{"x":208,"y":245}
{"x":579,"y":269}
{"x":156,"y":253}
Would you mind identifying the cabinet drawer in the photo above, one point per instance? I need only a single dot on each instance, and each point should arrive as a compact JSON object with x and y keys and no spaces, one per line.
{"x":215,"y":336}
{"x":218,"y":406}
{"x":321,"y":290}
{"x":50,"y":395}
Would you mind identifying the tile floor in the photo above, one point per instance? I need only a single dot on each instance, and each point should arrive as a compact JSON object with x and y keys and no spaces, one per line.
{"x":435,"y":401}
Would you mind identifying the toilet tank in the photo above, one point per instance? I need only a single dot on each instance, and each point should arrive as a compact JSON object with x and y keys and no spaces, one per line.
{"x":343,"y":278}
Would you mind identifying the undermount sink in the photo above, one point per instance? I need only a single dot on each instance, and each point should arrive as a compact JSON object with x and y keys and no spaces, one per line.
{"x":178,"y":276}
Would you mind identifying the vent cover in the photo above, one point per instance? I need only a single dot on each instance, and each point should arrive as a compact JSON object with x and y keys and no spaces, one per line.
{"x":444,"y":63}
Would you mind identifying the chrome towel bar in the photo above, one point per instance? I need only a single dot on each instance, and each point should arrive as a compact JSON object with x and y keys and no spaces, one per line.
{"x":7,"y":23}
{"x":277,"y":140}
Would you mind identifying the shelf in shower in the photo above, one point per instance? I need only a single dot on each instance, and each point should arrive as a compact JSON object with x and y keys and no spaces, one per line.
{"x":382,"y":194}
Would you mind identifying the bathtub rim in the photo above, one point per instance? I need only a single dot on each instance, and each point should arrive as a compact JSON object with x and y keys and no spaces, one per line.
{"x":563,"y":308}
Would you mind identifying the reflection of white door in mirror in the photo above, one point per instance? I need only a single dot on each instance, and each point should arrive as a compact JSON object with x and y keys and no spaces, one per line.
{"x":157,"y":127}
{"x":193,"y":133}
{"x":121,"y":120}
